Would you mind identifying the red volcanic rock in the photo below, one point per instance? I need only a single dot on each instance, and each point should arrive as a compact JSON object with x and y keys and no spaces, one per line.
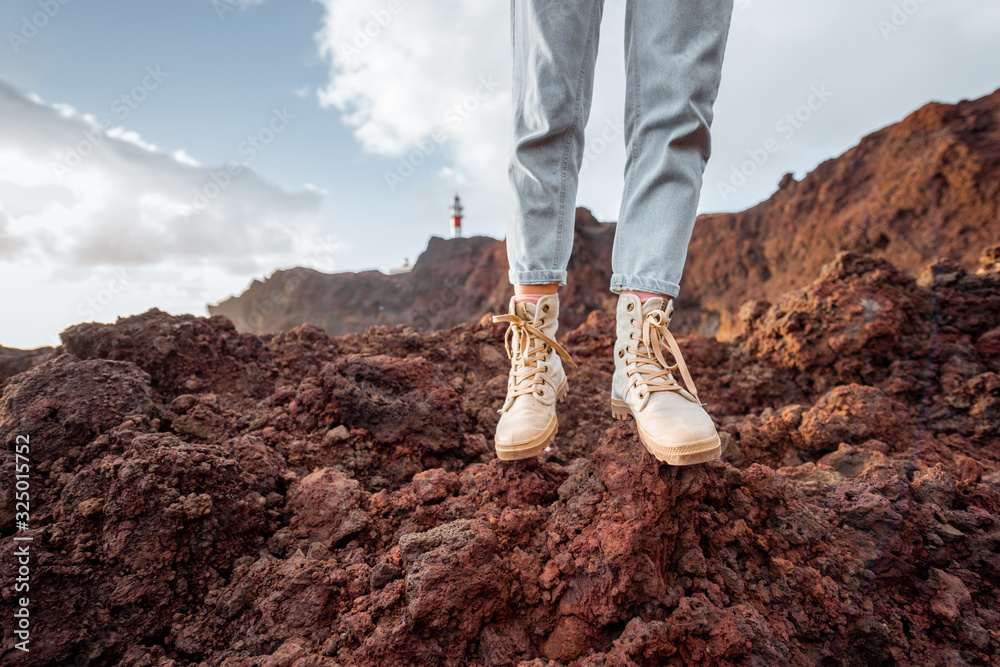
{"x":14,"y":361}
{"x":988,"y":348}
{"x":872,"y":314}
{"x":924,"y":188}
{"x":209,"y":497}
{"x":853,"y":414}
{"x":452,"y":572}
{"x":63,"y":404}
{"x":326,"y":506}
{"x":178,"y":350}
{"x":131,"y":537}
{"x":59,"y":409}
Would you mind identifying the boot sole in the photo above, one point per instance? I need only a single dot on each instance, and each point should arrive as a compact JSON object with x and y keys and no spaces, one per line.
{"x":525,"y":450}
{"x":690,"y":454}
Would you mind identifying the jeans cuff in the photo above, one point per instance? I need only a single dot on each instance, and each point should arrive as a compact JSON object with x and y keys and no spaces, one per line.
{"x":621,"y":282}
{"x":536,"y":277}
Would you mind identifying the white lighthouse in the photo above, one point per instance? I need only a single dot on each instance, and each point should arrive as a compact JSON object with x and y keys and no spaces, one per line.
{"x":456,"y":218}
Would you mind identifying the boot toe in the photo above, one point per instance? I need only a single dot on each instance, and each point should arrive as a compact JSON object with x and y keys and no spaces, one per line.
{"x":677,"y":430}
{"x":515,"y":429}
{"x":523,"y":433}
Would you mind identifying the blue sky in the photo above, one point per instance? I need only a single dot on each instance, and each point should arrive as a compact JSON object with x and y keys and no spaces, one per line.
{"x":120,"y":231}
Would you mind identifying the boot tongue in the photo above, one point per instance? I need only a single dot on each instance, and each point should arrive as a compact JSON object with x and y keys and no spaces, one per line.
{"x":525,"y":310}
{"x":651,"y":304}
{"x":654,"y":303}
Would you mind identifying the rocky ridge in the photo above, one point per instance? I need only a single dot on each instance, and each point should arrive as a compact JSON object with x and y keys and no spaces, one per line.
{"x":202,"y":496}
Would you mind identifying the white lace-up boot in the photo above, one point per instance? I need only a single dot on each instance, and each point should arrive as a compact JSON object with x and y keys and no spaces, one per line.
{"x":536,"y":382}
{"x":671,"y":421}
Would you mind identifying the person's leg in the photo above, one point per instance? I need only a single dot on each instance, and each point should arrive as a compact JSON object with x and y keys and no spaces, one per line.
{"x":555,"y":49}
{"x":673,"y":54}
{"x":673,"y":62}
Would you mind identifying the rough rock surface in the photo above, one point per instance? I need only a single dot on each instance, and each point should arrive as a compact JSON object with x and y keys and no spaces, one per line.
{"x":14,"y":361}
{"x":205,"y":497}
{"x":925,"y":188}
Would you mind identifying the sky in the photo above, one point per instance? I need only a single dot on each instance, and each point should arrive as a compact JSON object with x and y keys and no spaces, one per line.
{"x":165,"y":154}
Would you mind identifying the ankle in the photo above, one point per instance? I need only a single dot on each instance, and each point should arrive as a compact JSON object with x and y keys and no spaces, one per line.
{"x":646,"y":296}
{"x":532,"y":293}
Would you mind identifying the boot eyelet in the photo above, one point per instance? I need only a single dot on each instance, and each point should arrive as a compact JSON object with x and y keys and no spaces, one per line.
{"x":545,"y":308}
{"x":548,"y":347}
{"x":621,"y":352}
{"x":629,"y":307}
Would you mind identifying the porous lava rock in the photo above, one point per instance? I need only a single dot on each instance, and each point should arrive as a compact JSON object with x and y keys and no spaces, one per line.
{"x":206,"y":497}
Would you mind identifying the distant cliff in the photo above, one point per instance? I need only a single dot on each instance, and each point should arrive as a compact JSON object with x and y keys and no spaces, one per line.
{"x":453,"y":280}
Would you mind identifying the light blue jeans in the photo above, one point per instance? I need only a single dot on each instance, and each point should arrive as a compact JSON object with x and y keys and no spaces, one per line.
{"x":673,"y":61}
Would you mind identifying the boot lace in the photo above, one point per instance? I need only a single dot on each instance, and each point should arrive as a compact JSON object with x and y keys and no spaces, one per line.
{"x":654,"y":333}
{"x":530,"y":345}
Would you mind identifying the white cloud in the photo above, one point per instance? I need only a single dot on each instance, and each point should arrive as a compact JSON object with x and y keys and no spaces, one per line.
{"x":9,"y":245}
{"x":396,"y":74}
{"x":111,"y":233}
{"x":131,"y":137}
{"x":312,"y":187}
{"x":181,"y":156}
{"x":81,"y":194}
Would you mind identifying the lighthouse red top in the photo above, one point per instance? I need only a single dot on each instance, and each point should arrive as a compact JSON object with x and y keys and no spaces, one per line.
{"x":456,"y":217}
